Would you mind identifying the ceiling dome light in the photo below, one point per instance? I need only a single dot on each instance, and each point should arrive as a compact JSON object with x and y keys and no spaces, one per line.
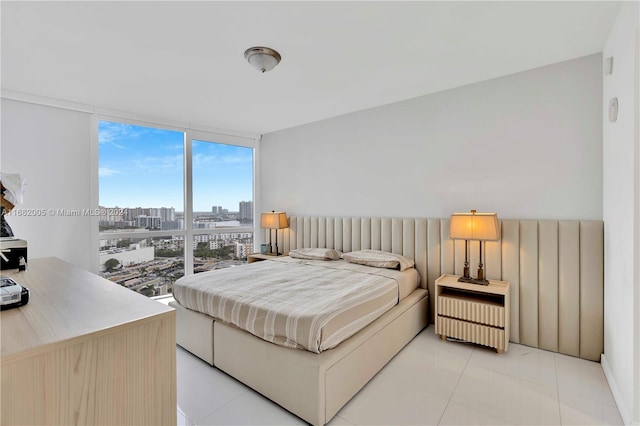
{"x":262,"y":58}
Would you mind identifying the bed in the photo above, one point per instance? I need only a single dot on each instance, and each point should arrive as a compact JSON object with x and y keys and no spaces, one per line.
{"x":331,"y":325}
{"x":296,"y":303}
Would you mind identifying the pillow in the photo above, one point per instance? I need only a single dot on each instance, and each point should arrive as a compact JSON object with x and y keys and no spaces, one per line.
{"x":315,"y":254}
{"x":379,"y":259}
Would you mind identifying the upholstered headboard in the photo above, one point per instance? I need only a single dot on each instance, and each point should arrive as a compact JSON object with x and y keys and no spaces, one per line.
{"x":555,"y":267}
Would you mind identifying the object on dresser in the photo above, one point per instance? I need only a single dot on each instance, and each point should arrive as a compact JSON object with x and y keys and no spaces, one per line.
{"x":11,"y":189}
{"x":5,"y":229}
{"x":22,"y":264}
{"x":12,"y":294}
{"x":12,"y":250}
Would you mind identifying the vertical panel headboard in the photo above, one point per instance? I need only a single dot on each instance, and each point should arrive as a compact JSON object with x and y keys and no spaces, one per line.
{"x":555,"y":267}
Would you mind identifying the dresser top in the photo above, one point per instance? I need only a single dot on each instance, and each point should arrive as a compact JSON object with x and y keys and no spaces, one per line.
{"x":67,"y":303}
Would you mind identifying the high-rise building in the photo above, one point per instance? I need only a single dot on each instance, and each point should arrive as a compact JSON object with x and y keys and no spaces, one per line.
{"x":167,"y":213}
{"x":216,"y":209}
{"x":111,"y":215}
{"x":132,"y":213}
{"x":168,"y":225}
{"x":150,"y":222}
{"x":242,"y":249}
{"x":245,"y":210}
{"x":164,"y":213}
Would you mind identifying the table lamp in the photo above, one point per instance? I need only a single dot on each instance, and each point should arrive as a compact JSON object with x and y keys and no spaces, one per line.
{"x":474,"y":226}
{"x":274,"y":220}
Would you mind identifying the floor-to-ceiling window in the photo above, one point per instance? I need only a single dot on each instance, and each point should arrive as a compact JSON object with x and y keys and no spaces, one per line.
{"x":172,"y":202}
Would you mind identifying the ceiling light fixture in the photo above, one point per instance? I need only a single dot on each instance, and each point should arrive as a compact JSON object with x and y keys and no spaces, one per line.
{"x":262,"y":58}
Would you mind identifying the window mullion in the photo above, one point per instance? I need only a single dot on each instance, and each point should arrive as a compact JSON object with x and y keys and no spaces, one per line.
{"x":188,"y":203}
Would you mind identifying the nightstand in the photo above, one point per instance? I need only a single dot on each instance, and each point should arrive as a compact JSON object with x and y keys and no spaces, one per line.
{"x":257,"y":257}
{"x":472,"y":312}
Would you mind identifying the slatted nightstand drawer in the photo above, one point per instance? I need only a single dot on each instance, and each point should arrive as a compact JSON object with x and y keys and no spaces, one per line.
{"x":479,"y":311}
{"x":476,"y":333}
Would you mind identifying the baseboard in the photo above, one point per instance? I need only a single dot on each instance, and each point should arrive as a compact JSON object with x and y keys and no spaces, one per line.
{"x":625,"y":413}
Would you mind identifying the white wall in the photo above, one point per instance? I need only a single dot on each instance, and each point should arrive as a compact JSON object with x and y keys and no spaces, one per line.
{"x":621,"y":361}
{"x":50,"y":148}
{"x":528,"y":145}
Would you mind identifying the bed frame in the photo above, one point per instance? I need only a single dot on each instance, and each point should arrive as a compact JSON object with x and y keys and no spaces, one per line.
{"x":547,"y":262}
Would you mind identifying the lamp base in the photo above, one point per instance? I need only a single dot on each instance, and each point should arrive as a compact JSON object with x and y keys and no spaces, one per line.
{"x":473,"y":281}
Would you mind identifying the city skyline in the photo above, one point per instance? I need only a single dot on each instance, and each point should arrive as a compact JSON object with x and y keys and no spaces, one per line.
{"x":144,"y":166}
{"x":204,"y":212}
{"x":167,"y":219}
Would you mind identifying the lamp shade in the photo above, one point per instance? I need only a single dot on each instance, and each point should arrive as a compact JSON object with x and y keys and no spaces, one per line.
{"x":274,"y":220}
{"x":474,"y":226}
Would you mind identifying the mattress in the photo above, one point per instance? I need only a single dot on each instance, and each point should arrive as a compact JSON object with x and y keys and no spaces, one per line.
{"x":295,"y":303}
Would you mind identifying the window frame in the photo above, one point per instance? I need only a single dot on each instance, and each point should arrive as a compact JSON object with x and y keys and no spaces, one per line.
{"x":190,"y":133}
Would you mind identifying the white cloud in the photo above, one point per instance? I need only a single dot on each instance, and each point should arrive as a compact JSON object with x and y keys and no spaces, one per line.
{"x":108,"y":132}
{"x":160,"y":164}
{"x":201,"y":159}
{"x":106,"y":171}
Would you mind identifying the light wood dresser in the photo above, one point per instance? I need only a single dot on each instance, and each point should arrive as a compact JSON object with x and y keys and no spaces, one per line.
{"x":472,"y":312}
{"x":85,"y":351}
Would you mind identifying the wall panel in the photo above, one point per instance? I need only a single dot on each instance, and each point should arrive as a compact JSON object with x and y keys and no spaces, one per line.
{"x":569,"y":287}
{"x":511,"y":271}
{"x":433,"y":253}
{"x":529,"y":282}
{"x":315,"y":232}
{"x":591,"y":289}
{"x":548,"y":285}
{"x":447,"y":248}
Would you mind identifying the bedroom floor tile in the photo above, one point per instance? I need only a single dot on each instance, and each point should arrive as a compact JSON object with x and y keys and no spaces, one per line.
{"x":523,"y":362}
{"x":508,"y":398}
{"x":431,"y":381}
{"x":182,"y":419}
{"x":583,"y":378}
{"x":457,"y":414}
{"x":391,"y":402}
{"x":411,"y":366}
{"x":205,"y":389}
{"x":576,"y":410}
{"x":251,"y":408}
{"x":339,"y":421}
{"x":185,"y":361}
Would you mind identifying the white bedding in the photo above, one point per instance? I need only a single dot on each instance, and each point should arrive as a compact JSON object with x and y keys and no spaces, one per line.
{"x":296,"y":303}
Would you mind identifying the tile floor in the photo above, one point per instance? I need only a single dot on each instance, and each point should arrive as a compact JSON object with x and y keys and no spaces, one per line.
{"x":429,"y":382}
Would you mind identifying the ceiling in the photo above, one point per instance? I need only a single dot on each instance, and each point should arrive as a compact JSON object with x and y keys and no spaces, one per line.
{"x":184,"y":61}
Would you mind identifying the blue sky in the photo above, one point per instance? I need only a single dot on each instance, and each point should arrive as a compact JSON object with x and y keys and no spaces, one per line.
{"x":144,"y":167}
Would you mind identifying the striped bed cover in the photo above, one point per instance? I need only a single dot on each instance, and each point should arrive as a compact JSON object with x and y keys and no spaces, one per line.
{"x":304,"y":304}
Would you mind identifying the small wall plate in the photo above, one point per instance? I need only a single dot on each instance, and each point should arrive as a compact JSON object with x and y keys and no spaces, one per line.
{"x":608,"y":65}
{"x":613,"y":110}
